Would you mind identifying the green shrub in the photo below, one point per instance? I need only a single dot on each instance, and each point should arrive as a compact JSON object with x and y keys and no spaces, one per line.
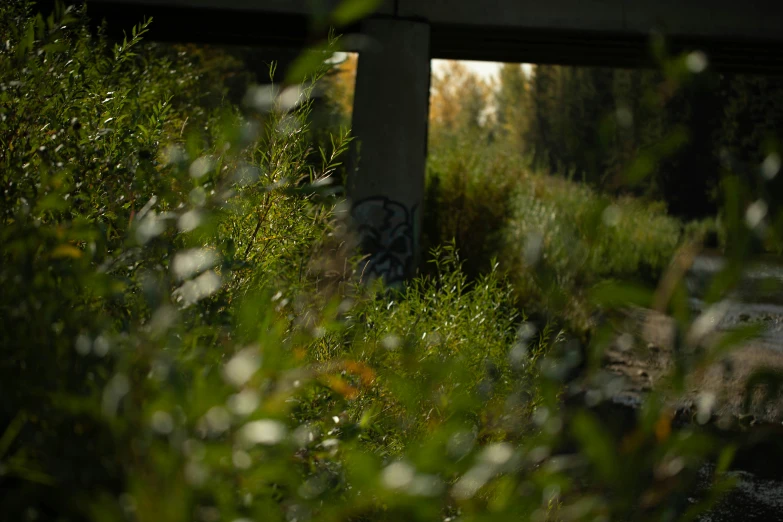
{"x":184,"y":337}
{"x":135,"y":217}
{"x":470,"y":193}
{"x":178,"y":345}
{"x":555,"y":238}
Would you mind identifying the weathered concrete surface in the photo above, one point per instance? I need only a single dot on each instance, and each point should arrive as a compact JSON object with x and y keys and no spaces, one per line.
{"x":715,"y":18}
{"x":710,"y":18}
{"x":738,"y":35}
{"x":390,"y":120}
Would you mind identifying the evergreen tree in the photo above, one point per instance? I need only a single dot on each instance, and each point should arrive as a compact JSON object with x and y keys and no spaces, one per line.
{"x":512,"y":107}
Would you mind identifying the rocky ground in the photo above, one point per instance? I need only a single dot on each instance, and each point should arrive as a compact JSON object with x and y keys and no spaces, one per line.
{"x":642,"y":358}
{"x":719,"y":387}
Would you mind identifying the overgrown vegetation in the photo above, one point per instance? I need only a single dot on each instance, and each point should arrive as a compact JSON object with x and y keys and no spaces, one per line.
{"x":663,"y":134}
{"x":570,"y":176}
{"x":185,"y":338}
{"x":555,"y":238}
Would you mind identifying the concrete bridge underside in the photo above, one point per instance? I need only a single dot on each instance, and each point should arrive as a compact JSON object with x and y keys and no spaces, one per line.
{"x":402,"y":36}
{"x":739,"y":36}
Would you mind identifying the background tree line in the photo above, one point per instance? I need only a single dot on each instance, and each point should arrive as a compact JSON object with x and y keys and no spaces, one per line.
{"x":606,"y":127}
{"x":644,"y":132}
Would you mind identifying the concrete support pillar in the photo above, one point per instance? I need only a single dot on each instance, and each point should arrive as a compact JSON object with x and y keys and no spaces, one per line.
{"x":386,"y":183}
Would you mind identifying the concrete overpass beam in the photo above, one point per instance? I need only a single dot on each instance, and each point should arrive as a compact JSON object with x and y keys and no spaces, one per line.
{"x":386,"y":183}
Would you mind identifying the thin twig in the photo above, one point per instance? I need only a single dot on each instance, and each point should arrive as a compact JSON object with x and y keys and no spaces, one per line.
{"x":261,"y":217}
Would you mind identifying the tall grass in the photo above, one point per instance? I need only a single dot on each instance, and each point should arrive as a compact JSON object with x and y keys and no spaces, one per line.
{"x":555,"y":238}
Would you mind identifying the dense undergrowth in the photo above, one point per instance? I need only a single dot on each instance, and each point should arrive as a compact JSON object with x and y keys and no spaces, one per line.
{"x":553,"y":237}
{"x":184,"y":337}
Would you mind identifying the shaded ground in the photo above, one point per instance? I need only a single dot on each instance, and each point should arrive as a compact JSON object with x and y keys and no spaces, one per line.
{"x":720,"y":388}
{"x":754,"y":499}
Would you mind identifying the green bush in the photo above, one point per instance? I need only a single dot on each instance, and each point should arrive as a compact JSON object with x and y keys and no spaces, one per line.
{"x":555,"y":238}
{"x":470,"y":198}
{"x":136,"y":217}
{"x":182,"y":337}
{"x":185,"y":339}
{"x":564,"y":238}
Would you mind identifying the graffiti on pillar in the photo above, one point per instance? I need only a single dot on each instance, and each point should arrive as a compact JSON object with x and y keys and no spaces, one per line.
{"x":386,"y":234}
